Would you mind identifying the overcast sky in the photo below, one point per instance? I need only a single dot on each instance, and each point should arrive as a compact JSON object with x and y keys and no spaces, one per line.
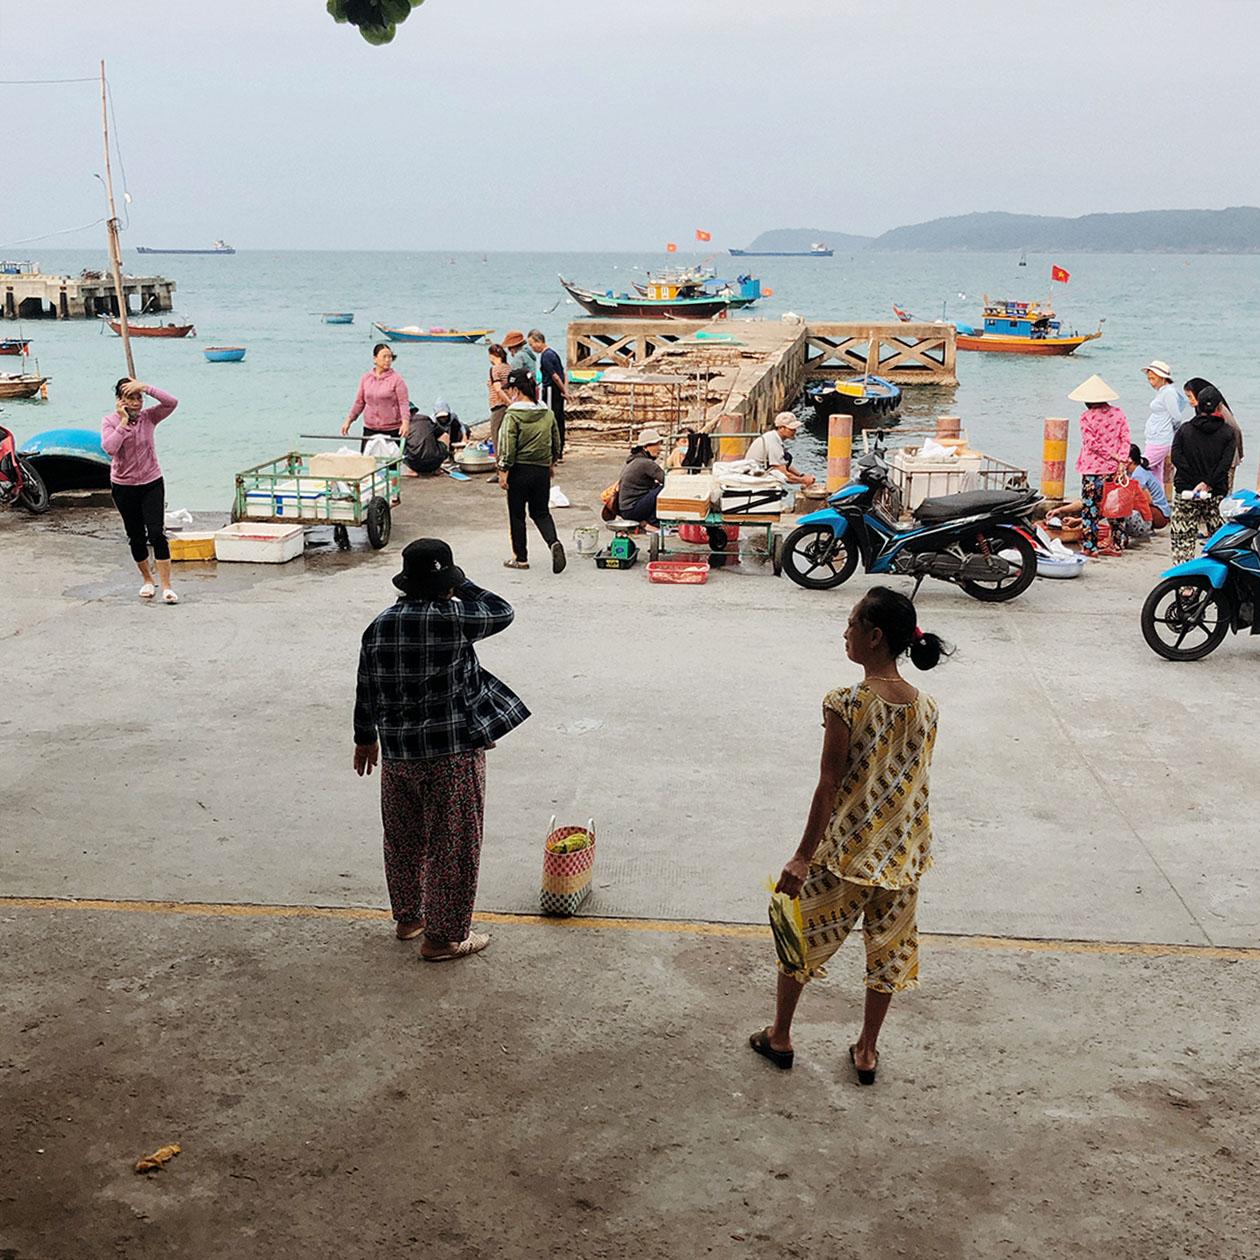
{"x":581,"y":124}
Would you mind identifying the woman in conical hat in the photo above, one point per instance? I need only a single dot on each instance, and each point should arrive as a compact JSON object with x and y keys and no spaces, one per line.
{"x":1104,"y":452}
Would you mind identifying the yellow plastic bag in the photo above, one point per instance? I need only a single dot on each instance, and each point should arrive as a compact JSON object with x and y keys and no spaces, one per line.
{"x":788,"y":928}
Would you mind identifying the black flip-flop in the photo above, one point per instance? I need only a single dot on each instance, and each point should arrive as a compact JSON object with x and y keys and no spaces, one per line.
{"x":866,"y":1076}
{"x":760,"y":1042}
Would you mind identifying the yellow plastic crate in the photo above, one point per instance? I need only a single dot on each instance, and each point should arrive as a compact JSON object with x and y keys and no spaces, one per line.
{"x":192,"y":546}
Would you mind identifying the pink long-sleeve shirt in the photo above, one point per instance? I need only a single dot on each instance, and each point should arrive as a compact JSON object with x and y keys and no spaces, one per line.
{"x":131,"y":449}
{"x":382,"y":401}
{"x":1104,"y":440}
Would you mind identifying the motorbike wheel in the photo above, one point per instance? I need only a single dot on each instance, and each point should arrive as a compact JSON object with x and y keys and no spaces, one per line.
{"x":34,"y":494}
{"x":1184,"y":619}
{"x":1003,"y":542}
{"x":813,"y":557}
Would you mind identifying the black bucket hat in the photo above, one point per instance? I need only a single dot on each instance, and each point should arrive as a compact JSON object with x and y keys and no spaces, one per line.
{"x":428,"y":569}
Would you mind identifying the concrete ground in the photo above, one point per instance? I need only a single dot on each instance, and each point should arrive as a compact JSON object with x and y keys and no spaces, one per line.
{"x":1077,"y":1073}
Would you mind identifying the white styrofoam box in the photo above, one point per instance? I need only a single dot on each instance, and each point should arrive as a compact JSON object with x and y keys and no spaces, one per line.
{"x":286,"y":500}
{"x":763,"y":501}
{"x":918,"y":478}
{"x":254,"y":542}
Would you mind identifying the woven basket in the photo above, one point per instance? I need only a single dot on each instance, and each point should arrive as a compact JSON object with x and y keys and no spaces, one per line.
{"x":566,"y":877}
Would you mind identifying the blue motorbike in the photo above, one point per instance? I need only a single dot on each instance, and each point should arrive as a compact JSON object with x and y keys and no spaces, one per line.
{"x":980,"y":540}
{"x":1199,"y":602}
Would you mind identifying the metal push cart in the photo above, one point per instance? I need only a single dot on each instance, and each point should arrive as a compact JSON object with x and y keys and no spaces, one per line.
{"x":323,"y":489}
{"x":774,"y":542}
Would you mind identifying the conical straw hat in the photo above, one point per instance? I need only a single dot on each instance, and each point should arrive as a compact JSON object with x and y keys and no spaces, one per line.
{"x":1094,"y":390}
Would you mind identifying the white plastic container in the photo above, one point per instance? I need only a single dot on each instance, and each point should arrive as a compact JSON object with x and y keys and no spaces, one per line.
{"x":1059,"y":566}
{"x":259,"y":543}
{"x":920,"y":478}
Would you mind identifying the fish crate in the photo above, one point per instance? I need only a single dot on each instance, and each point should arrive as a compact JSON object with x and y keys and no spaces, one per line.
{"x":256,"y":542}
{"x":192,"y":546}
{"x":678,"y":572}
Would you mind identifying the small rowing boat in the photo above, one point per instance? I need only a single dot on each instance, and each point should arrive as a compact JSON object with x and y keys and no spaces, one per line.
{"x":224,"y":354}
{"x":338,"y":317}
{"x":152,"y":330}
{"x":23,"y":385}
{"x":464,"y":337}
{"x":867,"y":399}
{"x":69,"y":459}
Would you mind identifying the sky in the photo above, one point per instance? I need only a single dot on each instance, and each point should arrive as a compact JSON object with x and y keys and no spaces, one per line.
{"x":588,"y":125}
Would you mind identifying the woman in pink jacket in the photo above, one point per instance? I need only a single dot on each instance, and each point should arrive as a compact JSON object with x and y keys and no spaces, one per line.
{"x":382,"y":399}
{"x":1104,"y":453}
{"x":136,"y":480}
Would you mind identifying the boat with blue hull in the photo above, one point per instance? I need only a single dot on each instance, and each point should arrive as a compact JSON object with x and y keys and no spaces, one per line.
{"x":338,"y":317}
{"x":69,"y":459}
{"x":468,"y":336}
{"x":691,"y":293}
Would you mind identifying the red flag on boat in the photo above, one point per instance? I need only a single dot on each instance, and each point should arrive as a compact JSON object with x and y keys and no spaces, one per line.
{"x":702,"y":236}
{"x":1057,"y":273}
{"x":671,"y":248}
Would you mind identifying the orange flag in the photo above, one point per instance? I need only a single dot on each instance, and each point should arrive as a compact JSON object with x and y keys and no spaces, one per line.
{"x":702,"y":236}
{"x":671,"y":248}
{"x":1057,"y":273}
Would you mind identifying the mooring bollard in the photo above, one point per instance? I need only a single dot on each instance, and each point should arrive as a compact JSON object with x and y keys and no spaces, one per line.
{"x":839,"y":450}
{"x":948,"y":427}
{"x":730,"y":444}
{"x":1053,"y":458}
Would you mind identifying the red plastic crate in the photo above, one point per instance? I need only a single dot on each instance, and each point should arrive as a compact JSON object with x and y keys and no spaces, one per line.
{"x":678,"y":572}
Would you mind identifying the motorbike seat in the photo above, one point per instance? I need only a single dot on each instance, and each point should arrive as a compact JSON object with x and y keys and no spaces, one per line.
{"x":969,"y":503}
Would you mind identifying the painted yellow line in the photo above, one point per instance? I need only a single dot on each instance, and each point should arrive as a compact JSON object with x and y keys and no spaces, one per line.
{"x":738,"y":931}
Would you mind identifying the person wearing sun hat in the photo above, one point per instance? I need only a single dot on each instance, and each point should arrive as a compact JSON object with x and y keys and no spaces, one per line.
{"x":426,"y":709}
{"x":1104,"y":453}
{"x":522,"y":353}
{"x":642,"y":479}
{"x":1168,"y":410}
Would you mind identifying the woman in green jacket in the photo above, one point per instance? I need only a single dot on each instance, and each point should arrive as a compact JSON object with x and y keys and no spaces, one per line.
{"x":529,"y":446}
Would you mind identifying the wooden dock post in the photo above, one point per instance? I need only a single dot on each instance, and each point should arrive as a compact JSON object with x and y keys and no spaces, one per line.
{"x":839,"y":450}
{"x":1054,"y":458}
{"x":948,"y":427}
{"x":732,"y":441}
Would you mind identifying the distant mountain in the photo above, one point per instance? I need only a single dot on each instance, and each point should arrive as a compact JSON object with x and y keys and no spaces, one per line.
{"x":786,"y":239}
{"x":1232,"y":231}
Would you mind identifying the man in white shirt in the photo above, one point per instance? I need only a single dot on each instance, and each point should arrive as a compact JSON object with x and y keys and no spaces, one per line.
{"x":768,"y":451}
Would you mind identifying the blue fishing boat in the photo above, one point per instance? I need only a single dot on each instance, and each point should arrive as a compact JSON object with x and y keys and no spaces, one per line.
{"x":684,"y":293}
{"x":868,"y":399}
{"x":224,"y":354}
{"x":338,"y":317}
{"x":69,"y":459}
{"x":412,"y":333}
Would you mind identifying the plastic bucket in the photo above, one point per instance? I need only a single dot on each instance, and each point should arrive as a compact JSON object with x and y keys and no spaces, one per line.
{"x":586,"y":537}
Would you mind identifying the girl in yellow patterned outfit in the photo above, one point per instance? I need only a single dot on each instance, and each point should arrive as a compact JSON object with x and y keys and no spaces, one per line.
{"x":868,"y":838}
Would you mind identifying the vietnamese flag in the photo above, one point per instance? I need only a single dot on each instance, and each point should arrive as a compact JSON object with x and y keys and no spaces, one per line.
{"x":702,"y":236}
{"x":1057,"y":273}
{"x":671,"y":248}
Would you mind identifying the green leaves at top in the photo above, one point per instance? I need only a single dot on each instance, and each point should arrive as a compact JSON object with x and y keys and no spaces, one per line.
{"x":377,"y":20}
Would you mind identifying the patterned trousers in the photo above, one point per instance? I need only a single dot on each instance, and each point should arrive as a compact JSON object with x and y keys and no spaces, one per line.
{"x":1189,"y":516}
{"x":1091,"y":514}
{"x":433,"y":812}
{"x":831,"y":908}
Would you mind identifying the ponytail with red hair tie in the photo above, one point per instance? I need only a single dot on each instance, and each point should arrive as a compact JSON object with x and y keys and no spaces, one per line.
{"x":918,"y":634}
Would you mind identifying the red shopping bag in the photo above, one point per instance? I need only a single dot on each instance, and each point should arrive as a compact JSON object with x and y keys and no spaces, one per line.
{"x":1120,"y":498}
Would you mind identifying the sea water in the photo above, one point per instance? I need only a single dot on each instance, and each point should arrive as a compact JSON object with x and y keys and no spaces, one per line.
{"x":299,"y":375}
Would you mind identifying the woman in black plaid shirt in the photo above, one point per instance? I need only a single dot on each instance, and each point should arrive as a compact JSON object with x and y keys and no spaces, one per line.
{"x":428,"y":711}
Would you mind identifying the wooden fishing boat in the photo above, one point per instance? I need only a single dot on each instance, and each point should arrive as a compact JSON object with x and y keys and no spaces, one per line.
{"x":338,"y":317}
{"x":14,"y":345}
{"x":152,"y":330}
{"x":1017,"y":328}
{"x":681,"y":295}
{"x":868,"y":399}
{"x":23,"y":384}
{"x":224,"y":354}
{"x":468,"y":337}
{"x":69,"y":459}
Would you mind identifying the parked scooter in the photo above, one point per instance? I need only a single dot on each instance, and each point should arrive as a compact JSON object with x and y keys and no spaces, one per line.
{"x":980,"y":540}
{"x":19,"y":482}
{"x":1197,"y":603}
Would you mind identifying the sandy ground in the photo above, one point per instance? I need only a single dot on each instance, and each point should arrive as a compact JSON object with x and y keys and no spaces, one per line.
{"x":586,"y":1087}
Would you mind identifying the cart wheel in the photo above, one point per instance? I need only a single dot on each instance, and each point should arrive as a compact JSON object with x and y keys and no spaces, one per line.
{"x":341,"y":536}
{"x":776,"y":554}
{"x":654,"y":547}
{"x":378,"y":522}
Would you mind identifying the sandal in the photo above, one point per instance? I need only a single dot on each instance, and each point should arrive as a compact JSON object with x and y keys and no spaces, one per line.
{"x":169,"y":596}
{"x":760,"y":1042}
{"x":475,"y":942}
{"x":148,"y":590}
{"x":516,"y":564}
{"x":866,"y":1076}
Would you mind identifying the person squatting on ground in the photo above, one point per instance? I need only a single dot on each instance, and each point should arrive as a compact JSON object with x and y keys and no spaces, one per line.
{"x":382,"y":399}
{"x":135,"y":479}
{"x":1202,"y":456}
{"x":529,"y":446}
{"x":1104,"y":453}
{"x":768,"y":450}
{"x":427,"y":710}
{"x":868,"y":838}
{"x":426,"y":447}
{"x":642,"y":478}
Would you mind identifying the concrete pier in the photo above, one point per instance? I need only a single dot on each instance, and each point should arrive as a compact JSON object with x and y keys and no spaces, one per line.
{"x":34,"y":295}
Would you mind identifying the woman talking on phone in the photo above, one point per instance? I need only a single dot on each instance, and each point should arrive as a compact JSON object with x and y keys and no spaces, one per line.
{"x":136,"y":481}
